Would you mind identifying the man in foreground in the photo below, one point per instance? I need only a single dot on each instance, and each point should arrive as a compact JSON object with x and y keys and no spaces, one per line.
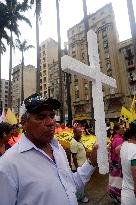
{"x":35,"y":171}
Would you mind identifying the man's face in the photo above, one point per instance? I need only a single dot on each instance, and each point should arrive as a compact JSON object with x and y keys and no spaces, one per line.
{"x":40,"y":127}
{"x":78,"y":132}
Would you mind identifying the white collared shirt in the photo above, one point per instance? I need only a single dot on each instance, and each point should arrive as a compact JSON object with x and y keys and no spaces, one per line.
{"x":28,"y":176}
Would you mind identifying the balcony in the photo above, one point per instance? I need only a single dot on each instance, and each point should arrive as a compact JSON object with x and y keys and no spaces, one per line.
{"x":131,"y":67}
{"x":113,"y":96}
{"x":132,"y":82}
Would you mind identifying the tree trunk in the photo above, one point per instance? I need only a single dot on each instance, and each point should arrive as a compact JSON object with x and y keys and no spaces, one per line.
{"x":68,"y":82}
{"x":86,"y":25}
{"x":132,"y":26}
{"x":0,"y":82}
{"x":38,"y":55}
{"x":22,"y":79}
{"x":10,"y":72}
{"x":59,"y":66}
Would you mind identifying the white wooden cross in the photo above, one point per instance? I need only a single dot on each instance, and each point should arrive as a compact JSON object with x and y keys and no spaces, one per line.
{"x":93,"y":73}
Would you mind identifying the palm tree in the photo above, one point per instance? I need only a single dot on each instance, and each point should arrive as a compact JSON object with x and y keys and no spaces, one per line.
{"x":14,"y":10}
{"x":132,"y":26}
{"x":59,"y":65}
{"x":37,"y":12}
{"x":22,"y":46}
{"x":3,"y":34}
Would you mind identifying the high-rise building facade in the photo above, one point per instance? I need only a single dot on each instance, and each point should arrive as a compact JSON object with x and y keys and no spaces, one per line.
{"x":48,"y":55}
{"x":103,"y":23}
{"x":4,"y":93}
{"x":53,"y":88}
{"x":29,"y":84}
{"x":127,"y":52}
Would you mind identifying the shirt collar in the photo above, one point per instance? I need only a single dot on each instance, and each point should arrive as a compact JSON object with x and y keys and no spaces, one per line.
{"x":25,"y":144}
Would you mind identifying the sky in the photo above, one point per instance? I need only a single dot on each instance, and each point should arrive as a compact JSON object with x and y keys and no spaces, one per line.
{"x":71,"y":13}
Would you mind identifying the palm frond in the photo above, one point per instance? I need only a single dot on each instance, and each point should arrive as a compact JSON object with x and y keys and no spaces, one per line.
{"x":38,"y":6}
{"x":28,"y":47}
{"x":23,"y":46}
{"x":23,"y":18}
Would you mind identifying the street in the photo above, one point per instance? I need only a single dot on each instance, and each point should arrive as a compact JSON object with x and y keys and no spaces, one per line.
{"x":96,"y":190}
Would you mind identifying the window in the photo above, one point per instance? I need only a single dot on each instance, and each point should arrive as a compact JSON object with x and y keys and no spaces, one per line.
{"x":45,"y":93}
{"x":105,"y":44}
{"x":44,"y":86}
{"x":44,"y":79}
{"x":131,"y":76}
{"x":86,"y":86}
{"x":112,"y":91}
{"x":108,"y":66}
{"x":104,"y":33}
{"x":83,"y":55}
{"x":130,"y":62}
{"x":43,"y":47}
{"x":77,"y":93}
{"x":44,"y":72}
{"x":107,"y":55}
{"x":86,"y":97}
{"x":129,"y":52}
{"x":76,"y":88}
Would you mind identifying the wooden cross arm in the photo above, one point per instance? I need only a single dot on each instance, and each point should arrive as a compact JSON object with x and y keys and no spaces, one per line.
{"x":108,"y":80}
{"x":73,"y":66}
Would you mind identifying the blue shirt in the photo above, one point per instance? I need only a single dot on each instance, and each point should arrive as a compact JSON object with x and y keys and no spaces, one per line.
{"x":28,"y":176}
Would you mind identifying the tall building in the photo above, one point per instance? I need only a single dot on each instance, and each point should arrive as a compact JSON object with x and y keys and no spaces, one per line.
{"x":127,"y":53}
{"x":29,"y":77}
{"x":48,"y":55}
{"x":53,"y":88}
{"x":4,"y":93}
{"x":103,"y":23}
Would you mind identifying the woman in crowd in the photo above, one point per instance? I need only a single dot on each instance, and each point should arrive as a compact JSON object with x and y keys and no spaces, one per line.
{"x":5,"y":135}
{"x":115,"y":172}
{"x":128,"y":162}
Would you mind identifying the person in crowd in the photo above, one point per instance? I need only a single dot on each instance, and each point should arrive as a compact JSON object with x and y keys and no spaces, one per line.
{"x":108,"y":129}
{"x":5,"y":135}
{"x":87,"y":129}
{"x":79,"y":158}
{"x":128,"y":162}
{"x":15,"y":135}
{"x":36,"y":170}
{"x":115,"y":172}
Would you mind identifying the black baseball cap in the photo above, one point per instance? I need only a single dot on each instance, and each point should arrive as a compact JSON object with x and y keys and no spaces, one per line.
{"x":35,"y":102}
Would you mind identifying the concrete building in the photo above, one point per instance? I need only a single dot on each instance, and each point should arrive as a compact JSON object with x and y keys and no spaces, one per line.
{"x":127,"y":53}
{"x":29,"y":75}
{"x":53,"y":86}
{"x":103,"y":23}
{"x":48,"y":55}
{"x":4,"y":93}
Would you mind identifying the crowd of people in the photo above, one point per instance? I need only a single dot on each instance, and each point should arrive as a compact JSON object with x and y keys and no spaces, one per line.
{"x":122,"y":163}
{"x":36,"y":169}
